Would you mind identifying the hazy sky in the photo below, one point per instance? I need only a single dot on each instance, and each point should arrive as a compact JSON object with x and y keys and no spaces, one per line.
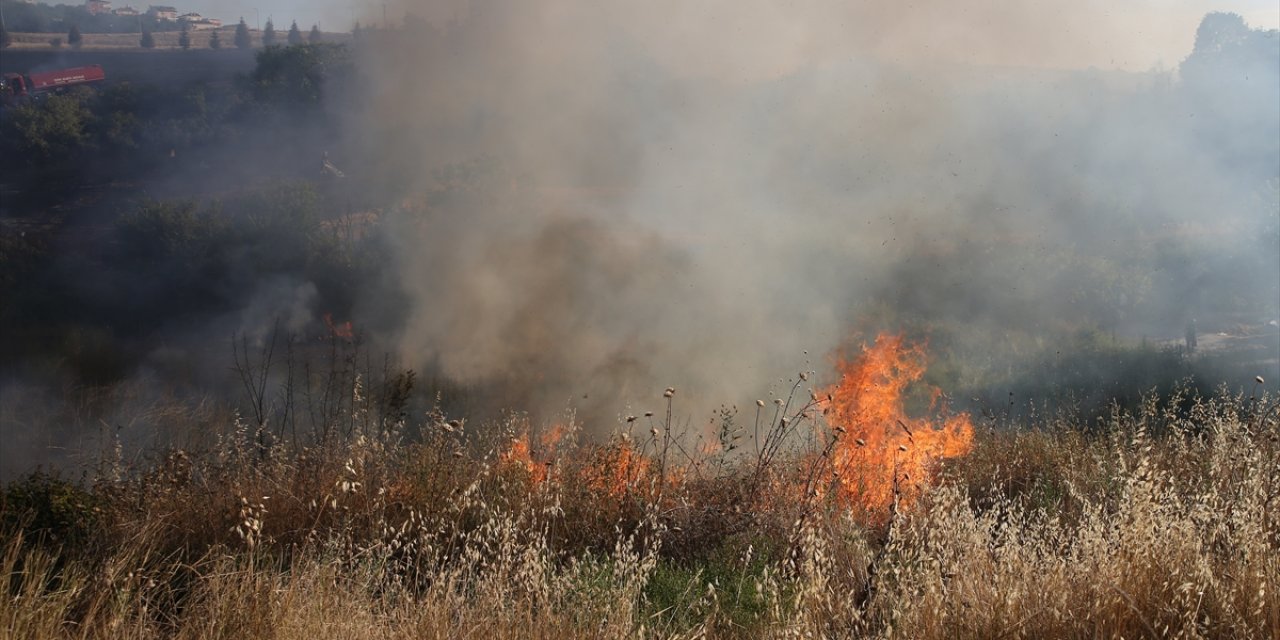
{"x":1137,"y":34}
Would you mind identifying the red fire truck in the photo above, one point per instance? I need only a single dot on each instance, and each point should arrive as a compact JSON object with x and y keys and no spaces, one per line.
{"x":16,"y":85}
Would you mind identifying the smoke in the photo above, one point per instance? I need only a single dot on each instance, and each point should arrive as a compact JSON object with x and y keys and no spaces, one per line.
{"x":576,"y":204}
{"x":699,"y":195}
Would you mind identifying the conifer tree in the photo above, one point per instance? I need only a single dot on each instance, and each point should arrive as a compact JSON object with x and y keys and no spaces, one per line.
{"x":243,"y":40}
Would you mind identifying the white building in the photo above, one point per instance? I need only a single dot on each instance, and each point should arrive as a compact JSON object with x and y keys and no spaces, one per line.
{"x":97,"y":7}
{"x":163,"y":13}
{"x":197,"y":22}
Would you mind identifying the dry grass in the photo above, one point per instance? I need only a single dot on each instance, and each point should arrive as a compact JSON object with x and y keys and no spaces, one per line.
{"x":1163,"y":523}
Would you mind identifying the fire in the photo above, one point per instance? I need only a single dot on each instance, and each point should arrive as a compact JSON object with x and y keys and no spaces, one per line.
{"x":342,"y":330}
{"x":880,"y":451}
{"x":617,"y":469}
{"x":521,"y":455}
{"x":611,"y":470}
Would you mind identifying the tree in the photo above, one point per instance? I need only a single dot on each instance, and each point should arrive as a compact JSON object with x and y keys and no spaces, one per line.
{"x":295,"y":36}
{"x":147,"y":41}
{"x":357,"y":33}
{"x":215,"y":40}
{"x":269,"y":34}
{"x":243,"y":41}
{"x":52,"y":132}
{"x":296,"y":76}
{"x":1219,"y":32}
{"x":315,"y":36}
{"x":184,"y":38}
{"x":73,"y":36}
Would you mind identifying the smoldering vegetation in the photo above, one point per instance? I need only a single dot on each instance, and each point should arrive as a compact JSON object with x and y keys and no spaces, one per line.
{"x":570,"y":206}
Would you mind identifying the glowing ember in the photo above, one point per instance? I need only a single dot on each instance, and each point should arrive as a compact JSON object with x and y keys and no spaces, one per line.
{"x":879,"y":448}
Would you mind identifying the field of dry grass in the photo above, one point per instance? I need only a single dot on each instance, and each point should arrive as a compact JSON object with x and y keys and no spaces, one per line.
{"x":1164,"y":523}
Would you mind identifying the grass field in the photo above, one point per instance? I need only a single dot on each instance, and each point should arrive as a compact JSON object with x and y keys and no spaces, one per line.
{"x":1159,"y":523}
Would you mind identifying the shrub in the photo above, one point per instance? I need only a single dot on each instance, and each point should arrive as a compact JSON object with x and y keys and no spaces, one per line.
{"x":46,"y":509}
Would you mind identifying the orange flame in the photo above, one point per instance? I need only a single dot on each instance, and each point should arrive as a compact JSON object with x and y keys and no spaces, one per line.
{"x":520,"y":456}
{"x":616,"y":470}
{"x":520,"y":453}
{"x":342,"y":330}
{"x":879,"y":451}
{"x":613,"y":470}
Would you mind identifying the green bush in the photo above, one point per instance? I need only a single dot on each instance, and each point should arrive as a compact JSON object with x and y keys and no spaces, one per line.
{"x":45,"y":509}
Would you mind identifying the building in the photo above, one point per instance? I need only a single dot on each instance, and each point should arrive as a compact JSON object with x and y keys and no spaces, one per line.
{"x":163,"y":13}
{"x":197,"y":22}
{"x":97,"y":7}
{"x":127,"y":12}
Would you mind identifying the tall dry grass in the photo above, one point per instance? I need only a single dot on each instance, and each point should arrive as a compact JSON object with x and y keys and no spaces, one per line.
{"x":1163,"y":523}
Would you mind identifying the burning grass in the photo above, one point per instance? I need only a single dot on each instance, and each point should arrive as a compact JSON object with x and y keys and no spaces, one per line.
{"x":1163,"y":522}
{"x":879,"y":453}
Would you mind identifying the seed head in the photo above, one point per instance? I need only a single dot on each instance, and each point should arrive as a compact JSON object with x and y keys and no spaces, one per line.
{"x":1259,"y":379}
{"x":760,"y":403}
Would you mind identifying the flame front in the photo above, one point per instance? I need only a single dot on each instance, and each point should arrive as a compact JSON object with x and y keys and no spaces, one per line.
{"x":519,"y":455}
{"x":879,"y":452}
{"x":612,"y":470}
{"x":616,"y":470}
